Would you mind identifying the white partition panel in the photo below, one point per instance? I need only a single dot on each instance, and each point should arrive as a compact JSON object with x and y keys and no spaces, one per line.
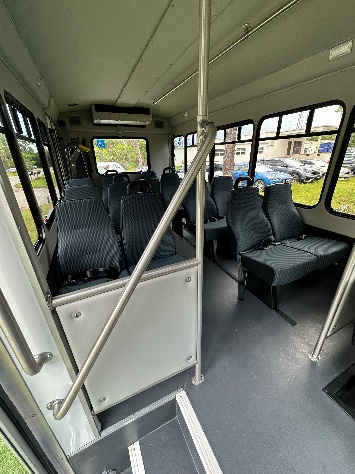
{"x":154,"y":338}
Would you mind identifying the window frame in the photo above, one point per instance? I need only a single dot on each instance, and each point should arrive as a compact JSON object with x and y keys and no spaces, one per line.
{"x":34,"y":136}
{"x":124,"y":137}
{"x":350,"y":129}
{"x":22,"y":173}
{"x":307,"y":133}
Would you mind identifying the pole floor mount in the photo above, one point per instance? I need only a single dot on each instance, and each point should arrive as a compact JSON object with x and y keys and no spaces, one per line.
{"x":196,"y":381}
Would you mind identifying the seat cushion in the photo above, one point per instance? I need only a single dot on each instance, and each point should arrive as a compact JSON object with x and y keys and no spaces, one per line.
{"x":216,"y":230}
{"x":279,"y":264}
{"x":327,"y":251}
{"x":80,"y":286}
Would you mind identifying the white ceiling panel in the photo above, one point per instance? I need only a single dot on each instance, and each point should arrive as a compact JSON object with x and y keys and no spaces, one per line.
{"x":132,"y":53}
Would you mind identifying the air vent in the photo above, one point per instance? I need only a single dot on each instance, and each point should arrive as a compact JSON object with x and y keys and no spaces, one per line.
{"x":158,"y":124}
{"x":113,"y":115}
{"x":74,"y":120}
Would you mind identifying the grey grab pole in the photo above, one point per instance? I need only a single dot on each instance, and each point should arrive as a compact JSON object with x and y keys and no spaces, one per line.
{"x":341,"y":293}
{"x":202,"y":118}
{"x":31,"y":364}
{"x":61,"y":407}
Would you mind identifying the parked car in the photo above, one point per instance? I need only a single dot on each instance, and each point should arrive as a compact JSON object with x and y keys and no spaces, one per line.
{"x":264,"y":175}
{"x":319,"y":165}
{"x":103,"y":166}
{"x":299,"y":172}
{"x":345,"y":173}
{"x":11,"y":170}
{"x":349,"y":162}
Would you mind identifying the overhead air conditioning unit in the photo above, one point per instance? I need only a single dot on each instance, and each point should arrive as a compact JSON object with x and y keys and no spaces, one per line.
{"x":113,"y":115}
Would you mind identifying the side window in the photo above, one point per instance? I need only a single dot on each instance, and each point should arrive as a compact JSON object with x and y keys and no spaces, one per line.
{"x":343,"y":199}
{"x":191,"y":150}
{"x":179,"y":146}
{"x":33,"y":158}
{"x":120,"y":154}
{"x":296,"y":147}
{"x":233,"y":148}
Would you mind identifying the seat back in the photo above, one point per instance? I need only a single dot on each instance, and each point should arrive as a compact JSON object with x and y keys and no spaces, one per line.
{"x":107,"y":180}
{"x":247,"y":223}
{"x":149,"y":174}
{"x":190,"y":204}
{"x":285,"y":220}
{"x":220,"y":188}
{"x":86,"y":239}
{"x":80,"y":182}
{"x":116,"y":191}
{"x":141,"y":214}
{"x":73,"y":193}
{"x":169,"y":182}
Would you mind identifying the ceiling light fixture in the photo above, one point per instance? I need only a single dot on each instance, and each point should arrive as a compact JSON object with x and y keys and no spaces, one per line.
{"x":344,"y":48}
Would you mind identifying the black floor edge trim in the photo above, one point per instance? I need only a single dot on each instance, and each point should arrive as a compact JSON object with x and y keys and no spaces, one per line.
{"x":284,"y":316}
{"x":333,"y":388}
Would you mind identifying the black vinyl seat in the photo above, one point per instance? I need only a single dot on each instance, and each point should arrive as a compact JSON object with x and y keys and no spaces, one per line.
{"x":141,"y":214}
{"x":288,"y":228}
{"x":151,"y":177}
{"x":72,"y":193}
{"x":88,"y":250}
{"x":214,"y":228}
{"x":221,"y":186}
{"x":263,"y":264}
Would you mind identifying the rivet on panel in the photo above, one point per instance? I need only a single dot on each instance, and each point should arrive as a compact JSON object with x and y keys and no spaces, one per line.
{"x":188,"y":279}
{"x":77,"y":314}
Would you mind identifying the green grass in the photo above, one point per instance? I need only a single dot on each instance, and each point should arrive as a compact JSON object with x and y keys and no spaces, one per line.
{"x":307,"y":193}
{"x":12,"y":173}
{"x":343,"y":199}
{"x":39,"y":182}
{"x":344,"y":196}
{"x":30,"y":223}
{"x":9,"y":464}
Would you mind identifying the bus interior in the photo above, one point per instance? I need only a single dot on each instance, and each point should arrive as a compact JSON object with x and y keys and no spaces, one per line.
{"x":177,"y":225}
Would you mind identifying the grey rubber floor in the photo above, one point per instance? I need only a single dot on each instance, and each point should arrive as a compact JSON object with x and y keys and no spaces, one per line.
{"x":261,"y":405}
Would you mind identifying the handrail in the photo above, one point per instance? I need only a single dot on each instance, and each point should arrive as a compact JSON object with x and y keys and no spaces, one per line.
{"x":61,"y":407}
{"x":30,"y":364}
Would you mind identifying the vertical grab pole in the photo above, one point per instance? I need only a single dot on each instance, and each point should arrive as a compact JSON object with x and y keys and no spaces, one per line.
{"x":202,"y":117}
{"x":341,"y":293}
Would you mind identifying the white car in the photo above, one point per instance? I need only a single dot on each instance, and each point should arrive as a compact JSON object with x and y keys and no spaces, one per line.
{"x":103,"y":166}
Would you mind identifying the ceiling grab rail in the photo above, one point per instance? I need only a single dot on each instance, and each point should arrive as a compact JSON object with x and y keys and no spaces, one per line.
{"x":61,"y":407}
{"x":31,"y":364}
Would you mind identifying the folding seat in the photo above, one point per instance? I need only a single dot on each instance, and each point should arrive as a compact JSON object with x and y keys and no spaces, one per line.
{"x":214,"y":228}
{"x":220,"y":188}
{"x":288,"y":228}
{"x":72,"y":193}
{"x":141,"y":214}
{"x":88,"y":250}
{"x":263,"y":265}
